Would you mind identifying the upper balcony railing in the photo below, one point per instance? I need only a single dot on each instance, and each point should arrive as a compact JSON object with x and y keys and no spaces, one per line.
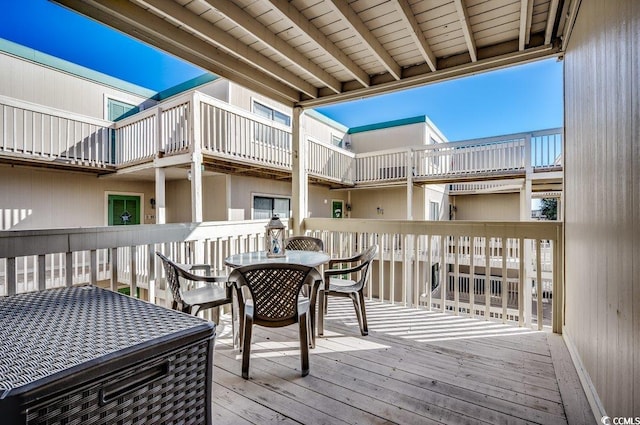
{"x":509,"y":155}
{"x":425,"y":264}
{"x":194,"y":121}
{"x":34,"y":132}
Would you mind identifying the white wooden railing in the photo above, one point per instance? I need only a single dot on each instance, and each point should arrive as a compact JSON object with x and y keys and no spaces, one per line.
{"x":194,"y":121}
{"x":117,"y":256}
{"x":46,"y":134}
{"x":418,"y":257}
{"x":513,"y":154}
{"x":382,"y":165}
{"x":418,"y":264}
{"x":330,"y":162}
{"x":234,"y":133}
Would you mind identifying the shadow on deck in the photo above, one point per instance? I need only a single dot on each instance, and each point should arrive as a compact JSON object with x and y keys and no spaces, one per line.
{"x":415,"y":367}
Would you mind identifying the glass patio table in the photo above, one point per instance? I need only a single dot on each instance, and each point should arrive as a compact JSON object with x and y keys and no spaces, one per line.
{"x":305,"y":258}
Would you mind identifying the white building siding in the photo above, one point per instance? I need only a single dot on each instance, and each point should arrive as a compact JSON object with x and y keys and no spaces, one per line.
{"x":42,"y":85}
{"x":33,"y":198}
{"x":502,"y":207}
{"x":602,"y":199}
{"x":389,"y":138}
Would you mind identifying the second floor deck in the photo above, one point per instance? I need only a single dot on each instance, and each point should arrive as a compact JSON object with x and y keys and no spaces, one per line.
{"x":233,"y":140}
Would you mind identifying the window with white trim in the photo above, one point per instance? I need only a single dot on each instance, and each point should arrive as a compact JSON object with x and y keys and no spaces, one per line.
{"x":265,"y":207}
{"x":268,"y":134}
{"x":434,"y":211}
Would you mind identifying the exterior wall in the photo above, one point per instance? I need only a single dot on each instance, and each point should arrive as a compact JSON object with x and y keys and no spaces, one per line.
{"x":602,"y":200}
{"x":318,"y":129}
{"x":495,"y":206}
{"x":243,"y":98}
{"x":391,"y":203}
{"x":389,"y":138}
{"x":50,"y":87}
{"x":318,"y":208}
{"x":220,"y":89}
{"x":243,"y":189}
{"x":33,"y":198}
{"x":322,"y":130}
{"x":214,"y":200}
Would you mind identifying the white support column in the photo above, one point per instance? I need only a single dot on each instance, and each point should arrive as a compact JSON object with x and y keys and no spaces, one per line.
{"x":525,"y":192}
{"x":196,"y":161}
{"x":300,"y":191}
{"x":409,"y":171}
{"x":161,"y":208}
{"x":196,"y":188}
{"x":525,"y":199}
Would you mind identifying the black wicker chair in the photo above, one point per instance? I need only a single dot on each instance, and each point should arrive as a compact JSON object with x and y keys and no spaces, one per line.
{"x":275,"y":302}
{"x":358,"y":268}
{"x":304,"y":243}
{"x":197,"y":299}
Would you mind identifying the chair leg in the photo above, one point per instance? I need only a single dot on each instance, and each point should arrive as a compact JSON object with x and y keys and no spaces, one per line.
{"x":364,"y":328}
{"x":356,"y":306}
{"x":246,"y":346}
{"x":320,"y":324}
{"x":240,"y":303}
{"x":312,"y":309}
{"x":303,"y":324}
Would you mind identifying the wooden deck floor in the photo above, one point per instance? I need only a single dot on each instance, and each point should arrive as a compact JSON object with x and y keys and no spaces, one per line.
{"x":415,"y":367}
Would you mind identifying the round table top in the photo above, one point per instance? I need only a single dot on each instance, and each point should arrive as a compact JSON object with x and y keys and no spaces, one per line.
{"x":305,"y":258}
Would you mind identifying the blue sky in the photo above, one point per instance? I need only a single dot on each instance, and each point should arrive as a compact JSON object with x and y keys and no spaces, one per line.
{"x":517,"y":99}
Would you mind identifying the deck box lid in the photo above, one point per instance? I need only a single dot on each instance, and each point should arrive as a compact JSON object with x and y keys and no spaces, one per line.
{"x":48,"y":337}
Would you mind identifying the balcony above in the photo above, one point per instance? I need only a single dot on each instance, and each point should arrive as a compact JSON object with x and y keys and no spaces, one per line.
{"x":233,"y":141}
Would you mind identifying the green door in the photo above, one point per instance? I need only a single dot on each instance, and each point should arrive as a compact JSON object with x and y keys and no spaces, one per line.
{"x":337,"y":209}
{"x":124,"y":210}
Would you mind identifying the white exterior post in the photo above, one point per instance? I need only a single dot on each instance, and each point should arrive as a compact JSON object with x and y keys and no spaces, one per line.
{"x":161,"y":216}
{"x":196,"y":162}
{"x":409,"y":171}
{"x":196,"y":188}
{"x":299,"y":195}
{"x":525,"y":192}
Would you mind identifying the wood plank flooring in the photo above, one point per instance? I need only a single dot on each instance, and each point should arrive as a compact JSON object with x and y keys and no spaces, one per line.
{"x":414,"y":367}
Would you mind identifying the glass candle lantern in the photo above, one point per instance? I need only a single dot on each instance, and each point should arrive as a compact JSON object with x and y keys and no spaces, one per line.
{"x":275,"y":238}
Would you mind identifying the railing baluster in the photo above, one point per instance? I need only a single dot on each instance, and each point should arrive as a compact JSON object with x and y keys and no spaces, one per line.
{"x":539,"y":285}
{"x":505,"y":283}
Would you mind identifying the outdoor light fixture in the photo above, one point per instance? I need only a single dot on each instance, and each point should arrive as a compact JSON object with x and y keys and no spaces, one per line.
{"x":275,"y":238}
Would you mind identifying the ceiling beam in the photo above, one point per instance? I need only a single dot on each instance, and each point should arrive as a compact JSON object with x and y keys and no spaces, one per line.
{"x":526,"y":15}
{"x":484,"y":65}
{"x":551,"y":20}
{"x":355,"y":23}
{"x":572,"y":13}
{"x":289,"y":12}
{"x":247,"y":22}
{"x":145,"y":26}
{"x":416,"y":33}
{"x":461,"y":8}
{"x":172,"y":11}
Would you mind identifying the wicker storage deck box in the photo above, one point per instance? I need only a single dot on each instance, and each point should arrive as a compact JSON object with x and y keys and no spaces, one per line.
{"x":85,"y":355}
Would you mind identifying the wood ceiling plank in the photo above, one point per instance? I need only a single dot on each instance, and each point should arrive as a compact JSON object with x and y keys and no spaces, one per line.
{"x":204,"y":29}
{"x":362,"y":32}
{"x":416,"y":33}
{"x":302,"y":23}
{"x":251,"y":25}
{"x":466,"y":29}
{"x":146,"y":26}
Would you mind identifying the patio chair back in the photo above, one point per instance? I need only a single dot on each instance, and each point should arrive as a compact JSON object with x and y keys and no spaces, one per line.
{"x":304,"y":243}
{"x":193,"y":300}
{"x":274,"y":289}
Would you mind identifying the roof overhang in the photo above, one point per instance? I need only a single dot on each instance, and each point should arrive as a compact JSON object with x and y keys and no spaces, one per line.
{"x":313,"y":53}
